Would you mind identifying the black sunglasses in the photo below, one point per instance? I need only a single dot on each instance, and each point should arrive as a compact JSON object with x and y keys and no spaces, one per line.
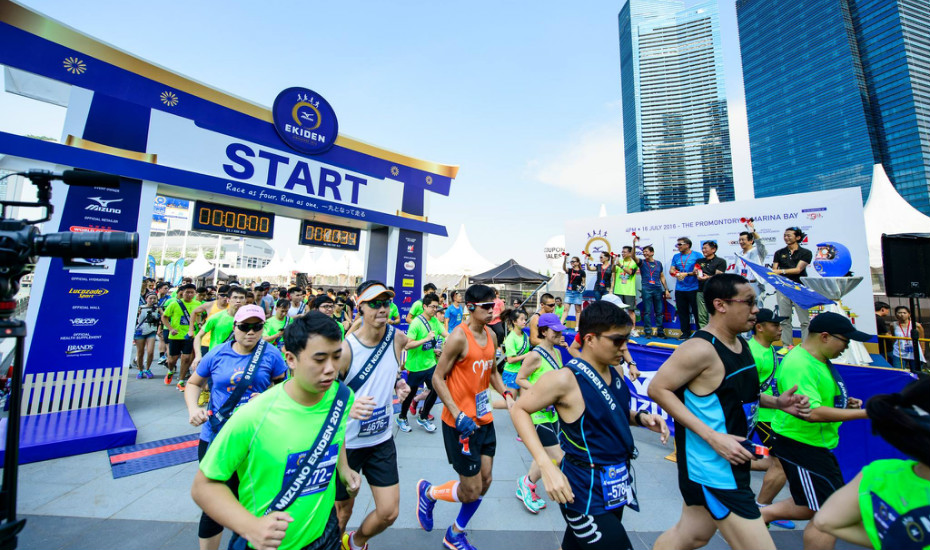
{"x":378,"y":304}
{"x":250,"y":327}
{"x":617,"y":340}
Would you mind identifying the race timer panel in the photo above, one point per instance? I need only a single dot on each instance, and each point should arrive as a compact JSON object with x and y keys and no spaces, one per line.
{"x":219,"y":218}
{"x":327,"y":235}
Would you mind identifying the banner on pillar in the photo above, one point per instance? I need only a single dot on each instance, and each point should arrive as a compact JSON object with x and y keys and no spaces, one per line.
{"x":408,"y":271}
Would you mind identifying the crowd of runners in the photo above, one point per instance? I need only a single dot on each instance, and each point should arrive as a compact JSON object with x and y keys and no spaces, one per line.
{"x":320,"y":372}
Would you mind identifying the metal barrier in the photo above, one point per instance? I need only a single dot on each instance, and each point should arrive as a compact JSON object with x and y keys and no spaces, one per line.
{"x":889,"y":346}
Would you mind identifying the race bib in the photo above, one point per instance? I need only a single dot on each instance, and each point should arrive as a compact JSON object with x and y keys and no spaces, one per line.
{"x":908,"y":531}
{"x":321,"y":475}
{"x":751,"y":410}
{"x":482,"y":403}
{"x":376,"y":425}
{"x":615,"y":484}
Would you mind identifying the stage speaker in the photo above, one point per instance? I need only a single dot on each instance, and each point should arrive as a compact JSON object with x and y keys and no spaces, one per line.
{"x":303,"y":281}
{"x":906,"y":262}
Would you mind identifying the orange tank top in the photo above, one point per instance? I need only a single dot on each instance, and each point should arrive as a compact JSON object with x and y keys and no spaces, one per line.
{"x":469,"y":379}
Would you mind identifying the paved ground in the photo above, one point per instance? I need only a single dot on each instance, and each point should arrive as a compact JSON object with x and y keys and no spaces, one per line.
{"x":74,"y":503}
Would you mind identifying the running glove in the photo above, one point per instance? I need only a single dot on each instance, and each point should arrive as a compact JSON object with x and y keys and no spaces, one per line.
{"x":465,"y":425}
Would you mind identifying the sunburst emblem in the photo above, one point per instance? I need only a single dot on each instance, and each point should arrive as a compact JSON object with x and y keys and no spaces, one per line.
{"x":169,"y":98}
{"x":429,"y":180}
{"x":395,"y":170}
{"x":74,"y":65}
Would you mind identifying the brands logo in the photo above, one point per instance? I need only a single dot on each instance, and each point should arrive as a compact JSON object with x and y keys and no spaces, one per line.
{"x":409,"y":265}
{"x":84,"y":322}
{"x":89,"y":292}
{"x":103,"y":205}
{"x":305,"y":121}
{"x":76,"y":349}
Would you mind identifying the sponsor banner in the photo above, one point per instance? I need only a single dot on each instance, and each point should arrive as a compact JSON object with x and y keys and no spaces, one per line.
{"x":832,"y":220}
{"x":84,"y":296}
{"x":408,"y":272}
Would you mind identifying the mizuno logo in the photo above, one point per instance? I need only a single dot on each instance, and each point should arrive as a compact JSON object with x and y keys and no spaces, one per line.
{"x":103,"y":205}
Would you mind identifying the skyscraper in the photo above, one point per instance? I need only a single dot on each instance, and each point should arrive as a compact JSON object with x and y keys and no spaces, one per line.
{"x":675,"y":125}
{"x":834,"y":86}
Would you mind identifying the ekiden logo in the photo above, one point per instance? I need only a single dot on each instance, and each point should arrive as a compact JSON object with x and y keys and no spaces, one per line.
{"x":89,"y":292}
{"x":305,"y":121}
{"x":103,"y":205}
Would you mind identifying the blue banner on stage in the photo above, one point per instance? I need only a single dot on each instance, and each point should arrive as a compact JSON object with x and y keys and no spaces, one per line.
{"x":796,"y":292}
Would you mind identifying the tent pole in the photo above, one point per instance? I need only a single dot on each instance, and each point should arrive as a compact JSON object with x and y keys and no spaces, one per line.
{"x":533,"y":293}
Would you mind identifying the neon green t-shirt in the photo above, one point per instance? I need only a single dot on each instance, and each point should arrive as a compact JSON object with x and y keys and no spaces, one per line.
{"x":625,"y":285}
{"x":765,"y":364}
{"x":558,"y":310}
{"x":892,"y":484}
{"x":419,"y":359}
{"x":416,"y":309}
{"x":393,"y":312}
{"x":814,"y":380}
{"x":220,"y":325}
{"x":548,"y":414}
{"x":273,"y":326}
{"x":515,"y":344}
{"x":214,"y":309}
{"x":174,"y":313}
{"x":263,"y":442}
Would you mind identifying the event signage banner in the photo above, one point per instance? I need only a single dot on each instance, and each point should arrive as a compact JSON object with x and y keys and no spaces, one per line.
{"x":407,"y":272}
{"x":75,"y":329}
{"x":832,"y":221}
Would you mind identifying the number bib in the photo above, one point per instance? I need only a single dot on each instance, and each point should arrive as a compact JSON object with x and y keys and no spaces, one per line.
{"x":482,"y":404}
{"x":615,"y":483}
{"x":321,"y":475}
{"x":376,"y":424}
{"x":751,"y":410}
{"x":908,"y":531}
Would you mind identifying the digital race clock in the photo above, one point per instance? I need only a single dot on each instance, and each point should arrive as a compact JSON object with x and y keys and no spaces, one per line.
{"x":219,"y":218}
{"x":332,"y":236}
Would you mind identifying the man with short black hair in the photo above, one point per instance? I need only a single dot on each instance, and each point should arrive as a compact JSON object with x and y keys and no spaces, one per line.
{"x":655,"y":292}
{"x":753,"y":249}
{"x":177,"y":318}
{"x":707,"y":267}
{"x":417,"y":307}
{"x":791,"y":262}
{"x":423,"y":348}
{"x":686,"y":288}
{"x":546,"y":305}
{"x":298,"y":308}
{"x":882,"y":310}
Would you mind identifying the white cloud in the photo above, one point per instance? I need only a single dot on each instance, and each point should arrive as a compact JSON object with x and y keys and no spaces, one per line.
{"x":592,"y":167}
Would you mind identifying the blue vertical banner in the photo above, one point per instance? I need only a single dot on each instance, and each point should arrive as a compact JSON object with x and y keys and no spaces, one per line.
{"x":408,"y":272}
{"x":178,"y":272}
{"x":75,"y":324}
{"x":150,"y":267}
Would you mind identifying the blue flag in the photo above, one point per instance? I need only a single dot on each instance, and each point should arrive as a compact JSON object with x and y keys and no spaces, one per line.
{"x":796,"y":292}
{"x":150,"y":267}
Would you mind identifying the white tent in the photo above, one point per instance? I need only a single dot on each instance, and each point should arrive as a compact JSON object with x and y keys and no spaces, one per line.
{"x":888,"y":212}
{"x":327,"y":265}
{"x":460,"y":259}
{"x":307,"y":264}
{"x":198,"y":266}
{"x":288,"y":264}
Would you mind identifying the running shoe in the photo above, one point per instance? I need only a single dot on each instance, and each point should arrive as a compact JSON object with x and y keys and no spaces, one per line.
{"x":168,"y":377}
{"x":519,"y":439}
{"x":525,"y":495}
{"x":404,"y":425}
{"x":783,"y":523}
{"x":148,"y":374}
{"x":204,"y":397}
{"x":456,"y":541}
{"x":141,"y":375}
{"x":413,"y":409}
{"x":538,"y":502}
{"x":181,"y":385}
{"x":346,"y":541}
{"x":426,"y":424}
{"x":163,"y":360}
{"x":425,"y":506}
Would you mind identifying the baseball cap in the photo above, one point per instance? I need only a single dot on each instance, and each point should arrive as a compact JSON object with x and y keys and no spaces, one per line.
{"x":768,"y":316}
{"x":615,"y":300}
{"x":247,"y":312}
{"x":834,"y":323}
{"x":551,"y":320}
{"x":373,"y":291}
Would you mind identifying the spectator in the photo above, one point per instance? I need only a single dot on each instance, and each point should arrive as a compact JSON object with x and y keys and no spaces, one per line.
{"x":495,"y":322}
{"x":686,"y":289}
{"x":753,"y":249}
{"x":903,"y":354}
{"x":558,"y":309}
{"x":574,"y":286}
{"x":707,"y":267}
{"x":603,"y":270}
{"x":625,"y":281}
{"x":655,"y":292}
{"x":791,"y":262}
{"x":882,"y":310}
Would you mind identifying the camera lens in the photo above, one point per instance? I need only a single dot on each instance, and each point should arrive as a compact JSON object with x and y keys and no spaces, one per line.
{"x":110,"y":244}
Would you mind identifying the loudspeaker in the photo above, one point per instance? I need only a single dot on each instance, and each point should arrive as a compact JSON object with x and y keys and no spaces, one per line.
{"x":303,"y":281}
{"x":906,"y":262}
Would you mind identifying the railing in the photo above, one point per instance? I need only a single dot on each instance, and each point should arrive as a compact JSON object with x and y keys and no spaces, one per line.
{"x":889,"y":345}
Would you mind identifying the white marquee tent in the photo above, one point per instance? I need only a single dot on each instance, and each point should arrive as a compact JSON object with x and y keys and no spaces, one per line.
{"x":451,"y":269}
{"x":888,"y":212}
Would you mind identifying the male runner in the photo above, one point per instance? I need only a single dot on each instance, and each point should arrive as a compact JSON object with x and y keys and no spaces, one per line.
{"x":161,"y":289}
{"x":206,"y":310}
{"x":462,"y":380}
{"x":710,"y":386}
{"x":276,"y":435}
{"x":220,"y":325}
{"x":546,"y":305}
{"x":423,"y":349}
{"x":177,"y":319}
{"x":416,"y":308}
{"x":275,"y":325}
{"x":225,"y":369}
{"x":298,"y":308}
{"x":455,"y":313}
{"x":593,"y":406}
{"x":804,"y":446}
{"x":370,"y":364}
{"x":394,"y":313}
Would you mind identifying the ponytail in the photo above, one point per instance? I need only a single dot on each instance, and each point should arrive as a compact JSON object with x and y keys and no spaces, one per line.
{"x":903,"y":419}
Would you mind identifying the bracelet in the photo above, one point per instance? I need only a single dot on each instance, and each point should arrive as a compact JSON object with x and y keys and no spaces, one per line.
{"x":506,"y":393}
{"x":638,"y":418}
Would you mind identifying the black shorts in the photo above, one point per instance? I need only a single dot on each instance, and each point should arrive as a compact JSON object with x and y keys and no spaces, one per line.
{"x":377,"y":463}
{"x":330,"y":539}
{"x":180,"y":347}
{"x":208,"y":526}
{"x":720,"y":502}
{"x":601,"y":532}
{"x":813,"y":472}
{"x":482,"y":442}
{"x":548,"y":433}
{"x":764,"y":434}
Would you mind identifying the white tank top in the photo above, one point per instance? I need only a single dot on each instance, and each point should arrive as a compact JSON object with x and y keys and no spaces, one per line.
{"x":904,"y":348}
{"x":380,"y":385}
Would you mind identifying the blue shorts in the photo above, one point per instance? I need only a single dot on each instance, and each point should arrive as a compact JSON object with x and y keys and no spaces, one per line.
{"x":573,"y":297}
{"x":510,"y":380}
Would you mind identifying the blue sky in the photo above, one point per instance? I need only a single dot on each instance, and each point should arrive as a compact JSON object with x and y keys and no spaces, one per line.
{"x":524,"y":97}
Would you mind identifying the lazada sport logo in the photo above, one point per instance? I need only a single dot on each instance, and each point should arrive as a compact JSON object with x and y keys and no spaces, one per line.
{"x":84,"y":322}
{"x":103,"y":205}
{"x":79,"y":348}
{"x":89,"y":292}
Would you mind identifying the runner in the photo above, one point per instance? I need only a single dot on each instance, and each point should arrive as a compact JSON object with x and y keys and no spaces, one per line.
{"x":226,"y":368}
{"x":710,"y":386}
{"x":393,"y":315}
{"x":220,"y":325}
{"x":516,"y":346}
{"x":804,"y":446}
{"x":462,"y":380}
{"x":422,"y":352}
{"x":275,"y":446}
{"x":593,"y":405}
{"x":559,"y":308}
{"x":455,"y":313}
{"x":881,"y":507}
{"x":147,"y":321}
{"x":161,"y":289}
{"x":207,"y":310}
{"x":370,"y":364}
{"x":626,"y":358}
{"x":298,"y":306}
{"x":546,"y":305}
{"x":417,"y":307}
{"x":275,"y":325}
{"x":542,"y":359}
{"x":177,"y":319}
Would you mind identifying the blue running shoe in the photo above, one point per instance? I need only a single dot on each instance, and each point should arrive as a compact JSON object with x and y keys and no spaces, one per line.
{"x":456,"y":541}
{"x":783,"y":523}
{"x":425,"y":505}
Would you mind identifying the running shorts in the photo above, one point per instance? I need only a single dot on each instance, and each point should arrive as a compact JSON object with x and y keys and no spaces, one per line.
{"x":548,"y":433}
{"x":482,"y":442}
{"x":628,"y":300}
{"x":601,"y":532}
{"x":719,"y":502}
{"x":510,"y":379}
{"x":180,"y":347}
{"x":813,"y":472}
{"x":377,"y":463}
{"x":765,"y":434}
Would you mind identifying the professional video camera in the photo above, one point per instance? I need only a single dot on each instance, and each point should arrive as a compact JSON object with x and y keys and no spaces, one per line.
{"x":20,"y":245}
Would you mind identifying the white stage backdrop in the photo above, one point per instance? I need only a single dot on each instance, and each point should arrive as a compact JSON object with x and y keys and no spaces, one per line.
{"x":826,"y":216}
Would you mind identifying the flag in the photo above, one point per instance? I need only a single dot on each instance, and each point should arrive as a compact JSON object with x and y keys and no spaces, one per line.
{"x":178,"y":272}
{"x":796,"y":292}
{"x":150,"y":267}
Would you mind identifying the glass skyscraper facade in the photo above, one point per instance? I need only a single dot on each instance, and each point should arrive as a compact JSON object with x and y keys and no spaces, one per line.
{"x":833,"y":87}
{"x":675,"y":124}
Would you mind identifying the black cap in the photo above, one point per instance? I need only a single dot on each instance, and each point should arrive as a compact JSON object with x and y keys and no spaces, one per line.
{"x":834,"y":323}
{"x":768,"y":316}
